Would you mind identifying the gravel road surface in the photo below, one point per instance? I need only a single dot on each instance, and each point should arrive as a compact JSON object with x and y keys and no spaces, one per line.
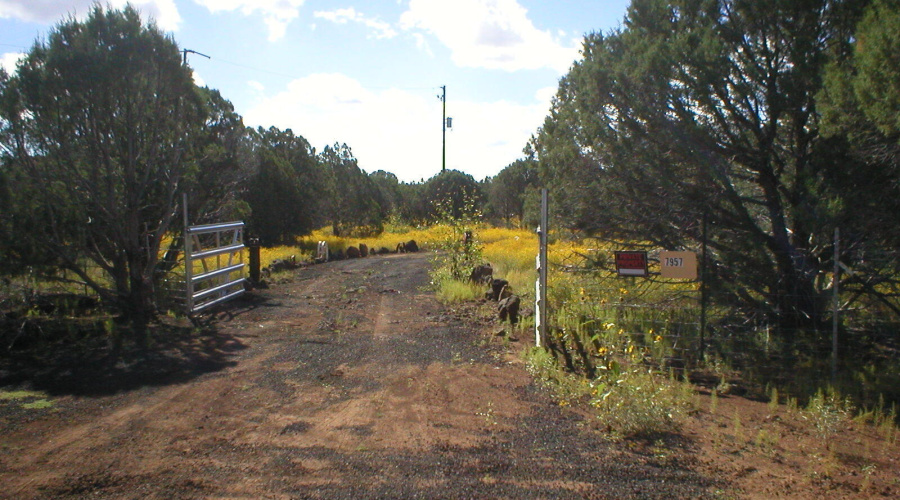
{"x":348,"y":381}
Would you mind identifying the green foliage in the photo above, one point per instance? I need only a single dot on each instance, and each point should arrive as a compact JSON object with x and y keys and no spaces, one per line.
{"x":452,"y":195}
{"x":220,"y":170}
{"x":353,"y":199}
{"x":642,"y":403}
{"x":459,"y":249}
{"x":631,"y":396}
{"x":697,"y":108}
{"x":630,"y":400}
{"x":388,"y":191}
{"x":876,"y":84}
{"x":508,"y":191}
{"x":860,"y":105}
{"x":15,"y":395}
{"x":40,"y":404}
{"x":282,"y":191}
{"x":29,"y":400}
{"x":101,"y":127}
{"x":542,"y":365}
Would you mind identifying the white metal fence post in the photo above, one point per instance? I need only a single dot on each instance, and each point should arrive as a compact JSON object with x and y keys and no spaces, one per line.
{"x":540,"y":309}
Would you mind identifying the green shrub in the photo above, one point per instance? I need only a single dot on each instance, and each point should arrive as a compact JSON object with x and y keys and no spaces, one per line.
{"x":641,"y":402}
{"x":829,"y":412}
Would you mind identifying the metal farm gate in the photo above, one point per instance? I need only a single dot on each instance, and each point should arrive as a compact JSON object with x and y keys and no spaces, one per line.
{"x":214,"y":264}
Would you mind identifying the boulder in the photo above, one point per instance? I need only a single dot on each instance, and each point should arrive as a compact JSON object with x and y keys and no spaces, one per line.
{"x":482,"y":274}
{"x":279,"y":265}
{"x":497,"y":287}
{"x":509,"y":308}
{"x":363,"y":250}
{"x":412,"y":246}
{"x":352,"y":252}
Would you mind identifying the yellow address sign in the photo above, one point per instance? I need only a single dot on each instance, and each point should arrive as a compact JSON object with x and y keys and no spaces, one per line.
{"x":678,"y":265}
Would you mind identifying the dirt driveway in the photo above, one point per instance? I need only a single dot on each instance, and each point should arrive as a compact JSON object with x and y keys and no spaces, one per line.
{"x":347,"y":381}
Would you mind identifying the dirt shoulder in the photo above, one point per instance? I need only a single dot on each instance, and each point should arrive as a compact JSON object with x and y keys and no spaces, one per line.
{"x":346,"y":381}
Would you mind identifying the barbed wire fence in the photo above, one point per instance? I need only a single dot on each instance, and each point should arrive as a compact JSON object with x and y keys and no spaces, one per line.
{"x":744,"y":346}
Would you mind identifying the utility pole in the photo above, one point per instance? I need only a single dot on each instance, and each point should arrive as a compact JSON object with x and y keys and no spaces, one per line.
{"x":443,"y":98}
{"x":184,"y":53}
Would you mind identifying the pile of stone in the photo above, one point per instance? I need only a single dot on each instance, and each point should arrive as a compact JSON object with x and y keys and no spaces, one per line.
{"x":357,"y":252}
{"x":279,"y":265}
{"x":500,"y":292}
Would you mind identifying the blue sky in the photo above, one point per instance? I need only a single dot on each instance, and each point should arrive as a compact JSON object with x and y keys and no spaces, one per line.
{"x":368,"y":73}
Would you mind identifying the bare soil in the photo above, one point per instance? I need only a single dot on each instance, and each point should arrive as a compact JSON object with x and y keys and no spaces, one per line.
{"x":348,"y":380}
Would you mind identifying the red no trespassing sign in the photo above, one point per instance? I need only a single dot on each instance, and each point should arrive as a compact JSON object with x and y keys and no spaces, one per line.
{"x":631,"y":263}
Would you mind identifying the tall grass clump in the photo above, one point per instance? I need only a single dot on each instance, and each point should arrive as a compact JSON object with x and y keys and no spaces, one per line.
{"x":457,"y":250}
{"x":454,"y":291}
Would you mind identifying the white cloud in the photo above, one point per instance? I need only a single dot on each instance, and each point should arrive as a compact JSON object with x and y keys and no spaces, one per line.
{"x":256,"y":86}
{"x":342,"y":16}
{"x":422,"y":44}
{"x":545,"y":96}
{"x":164,"y":12}
{"x":198,"y":80}
{"x":493,"y":34}
{"x":9,"y":60}
{"x":398,"y":130}
{"x":277,"y":14}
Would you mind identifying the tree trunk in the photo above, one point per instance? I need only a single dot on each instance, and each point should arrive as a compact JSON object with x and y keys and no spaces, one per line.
{"x":141,"y":309}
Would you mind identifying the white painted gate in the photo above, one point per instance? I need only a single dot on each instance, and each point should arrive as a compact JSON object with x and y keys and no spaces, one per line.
{"x":214,"y":264}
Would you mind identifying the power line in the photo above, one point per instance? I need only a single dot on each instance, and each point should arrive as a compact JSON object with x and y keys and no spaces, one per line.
{"x":296,"y":77}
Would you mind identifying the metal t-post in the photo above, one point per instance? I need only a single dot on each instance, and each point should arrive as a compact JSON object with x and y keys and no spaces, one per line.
{"x":836,"y":305}
{"x":188,"y":262}
{"x":540,"y":326}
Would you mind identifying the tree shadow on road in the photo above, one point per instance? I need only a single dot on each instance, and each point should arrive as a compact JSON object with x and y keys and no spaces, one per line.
{"x":78,"y":361}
